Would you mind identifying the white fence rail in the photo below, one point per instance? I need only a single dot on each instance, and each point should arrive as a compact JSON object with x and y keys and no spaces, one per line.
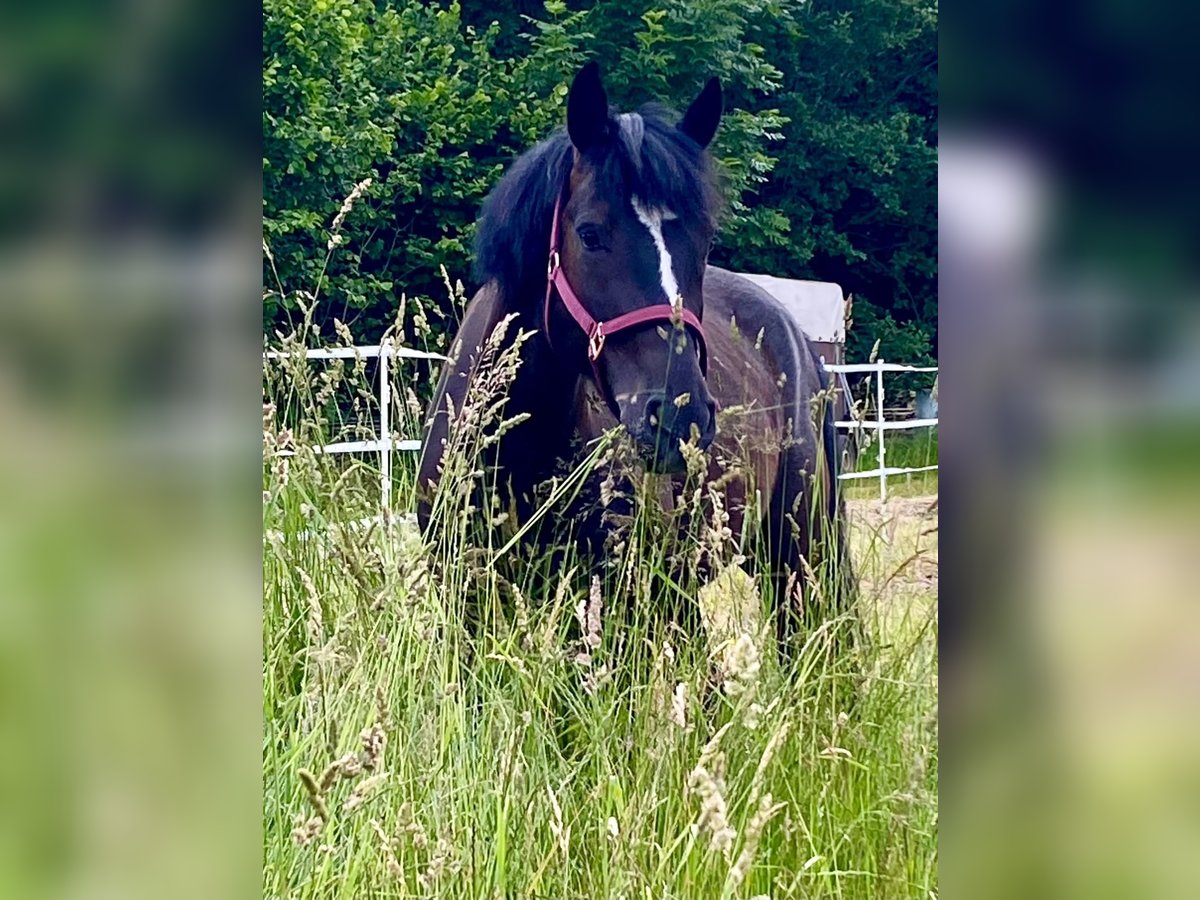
{"x":880,"y":425}
{"x":385,"y":445}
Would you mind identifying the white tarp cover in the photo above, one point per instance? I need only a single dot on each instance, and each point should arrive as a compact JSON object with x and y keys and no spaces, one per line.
{"x":818,"y":307}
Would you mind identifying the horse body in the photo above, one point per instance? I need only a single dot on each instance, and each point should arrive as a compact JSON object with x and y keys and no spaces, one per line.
{"x":636,"y":200}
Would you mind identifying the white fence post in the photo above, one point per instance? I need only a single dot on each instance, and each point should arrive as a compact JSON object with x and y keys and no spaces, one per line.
{"x":879,"y":429}
{"x":385,"y":426}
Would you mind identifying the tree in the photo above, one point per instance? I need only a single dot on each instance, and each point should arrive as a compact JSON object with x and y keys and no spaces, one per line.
{"x":856,"y":181}
{"x":412,"y":98}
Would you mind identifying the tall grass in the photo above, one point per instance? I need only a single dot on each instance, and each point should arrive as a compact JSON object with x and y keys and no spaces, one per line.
{"x":466,"y":717}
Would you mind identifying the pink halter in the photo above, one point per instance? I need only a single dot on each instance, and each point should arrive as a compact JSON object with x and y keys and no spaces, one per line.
{"x":598,"y":332}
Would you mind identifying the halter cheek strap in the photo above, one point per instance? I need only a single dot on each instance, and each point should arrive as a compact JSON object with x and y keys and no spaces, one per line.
{"x":599,"y":331}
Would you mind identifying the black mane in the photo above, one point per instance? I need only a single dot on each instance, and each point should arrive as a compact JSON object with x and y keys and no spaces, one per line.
{"x":645,"y":155}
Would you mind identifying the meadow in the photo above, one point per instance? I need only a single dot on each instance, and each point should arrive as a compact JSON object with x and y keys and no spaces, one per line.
{"x":573,"y":742}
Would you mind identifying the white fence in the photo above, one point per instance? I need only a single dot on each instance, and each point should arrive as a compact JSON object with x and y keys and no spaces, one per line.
{"x":881,"y":425}
{"x":386,"y":444}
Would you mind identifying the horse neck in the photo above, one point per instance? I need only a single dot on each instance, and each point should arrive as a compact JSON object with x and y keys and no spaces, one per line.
{"x":544,"y":385}
{"x":545,"y":389}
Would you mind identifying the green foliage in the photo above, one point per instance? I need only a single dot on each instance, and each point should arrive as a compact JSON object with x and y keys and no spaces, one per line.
{"x":878,"y":335}
{"x":676,"y":46}
{"x":414,"y":99}
{"x":828,"y":146}
{"x":856,"y":179}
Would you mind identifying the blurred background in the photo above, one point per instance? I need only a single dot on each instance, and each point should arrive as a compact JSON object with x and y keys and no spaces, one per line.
{"x":129,"y":450}
{"x":130,"y":385}
{"x":1070,"y":336}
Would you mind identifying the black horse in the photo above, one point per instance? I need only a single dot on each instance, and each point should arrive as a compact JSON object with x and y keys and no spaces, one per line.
{"x":597,"y":240}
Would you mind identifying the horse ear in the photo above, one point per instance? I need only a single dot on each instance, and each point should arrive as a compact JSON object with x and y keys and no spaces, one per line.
{"x":587,"y":108}
{"x":704,"y":115}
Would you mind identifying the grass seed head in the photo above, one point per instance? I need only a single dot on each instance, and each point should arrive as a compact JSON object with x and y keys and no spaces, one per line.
{"x":363,"y":791}
{"x":315,"y":795}
{"x":437,"y":864}
{"x":679,"y":700}
{"x":740,"y":664}
{"x":710,"y":788}
{"x":389,"y":853}
{"x":741,"y":867}
{"x":560,"y":830}
{"x":374,"y":742}
{"x":306,"y":830}
{"x":335,"y":237}
{"x":588,"y":612}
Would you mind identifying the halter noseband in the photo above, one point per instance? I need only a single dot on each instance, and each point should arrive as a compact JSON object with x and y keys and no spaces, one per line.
{"x":598,"y":332}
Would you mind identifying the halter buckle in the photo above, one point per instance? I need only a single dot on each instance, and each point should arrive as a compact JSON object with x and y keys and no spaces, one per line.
{"x":553,"y":264}
{"x":596,"y":342}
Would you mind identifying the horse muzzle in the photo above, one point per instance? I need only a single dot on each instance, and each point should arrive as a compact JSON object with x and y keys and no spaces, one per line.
{"x":663,"y":423}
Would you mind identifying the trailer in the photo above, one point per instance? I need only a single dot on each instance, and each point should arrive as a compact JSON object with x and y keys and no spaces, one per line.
{"x":820,"y":309}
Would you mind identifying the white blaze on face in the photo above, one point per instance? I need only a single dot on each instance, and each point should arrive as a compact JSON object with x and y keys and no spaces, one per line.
{"x":653,"y":219}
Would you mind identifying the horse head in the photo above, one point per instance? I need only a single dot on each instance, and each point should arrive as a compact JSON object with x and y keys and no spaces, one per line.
{"x":628,"y":248}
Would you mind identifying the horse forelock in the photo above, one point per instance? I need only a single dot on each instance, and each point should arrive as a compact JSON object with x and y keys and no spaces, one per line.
{"x":663,"y":169}
{"x":632,"y":130}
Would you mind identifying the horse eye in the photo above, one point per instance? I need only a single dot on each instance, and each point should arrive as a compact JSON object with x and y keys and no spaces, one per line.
{"x":590,"y":237}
